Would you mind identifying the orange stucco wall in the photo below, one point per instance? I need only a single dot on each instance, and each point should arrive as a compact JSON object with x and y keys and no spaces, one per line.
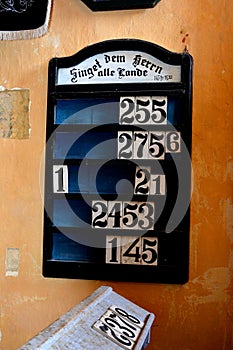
{"x":197,"y":315}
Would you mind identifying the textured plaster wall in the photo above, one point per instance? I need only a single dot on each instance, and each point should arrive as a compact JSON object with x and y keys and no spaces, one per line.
{"x":197,"y":315}
{"x":14,"y":114}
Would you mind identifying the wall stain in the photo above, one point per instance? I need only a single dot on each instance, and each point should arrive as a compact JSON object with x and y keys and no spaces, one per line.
{"x":14,"y":114}
{"x":212,"y":287}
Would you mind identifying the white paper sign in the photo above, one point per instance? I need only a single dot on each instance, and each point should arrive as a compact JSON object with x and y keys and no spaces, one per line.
{"x":119,"y":67}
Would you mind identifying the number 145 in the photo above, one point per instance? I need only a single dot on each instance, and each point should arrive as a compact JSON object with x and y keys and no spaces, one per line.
{"x":131,"y":250}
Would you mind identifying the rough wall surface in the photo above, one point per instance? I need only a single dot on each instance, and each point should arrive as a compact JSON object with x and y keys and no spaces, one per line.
{"x":197,"y":315}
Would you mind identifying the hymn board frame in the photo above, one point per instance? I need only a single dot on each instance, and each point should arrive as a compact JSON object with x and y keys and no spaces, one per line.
{"x":171,"y":249}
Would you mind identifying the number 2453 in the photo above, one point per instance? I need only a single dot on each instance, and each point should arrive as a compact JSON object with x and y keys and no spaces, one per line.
{"x":123,"y":215}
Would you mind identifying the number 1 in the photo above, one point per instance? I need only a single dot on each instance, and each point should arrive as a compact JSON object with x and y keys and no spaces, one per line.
{"x":158,"y":184}
{"x":113,"y":250}
{"x":60,"y":179}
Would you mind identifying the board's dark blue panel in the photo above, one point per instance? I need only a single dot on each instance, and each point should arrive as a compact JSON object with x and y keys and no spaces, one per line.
{"x":174,"y":111}
{"x":87,"y":144}
{"x":87,"y":111}
{"x":67,"y":249}
{"x":106,"y":178}
{"x":71,"y":213}
{"x":111,"y":178}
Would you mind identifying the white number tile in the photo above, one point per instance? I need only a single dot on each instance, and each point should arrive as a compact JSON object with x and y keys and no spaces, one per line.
{"x":125,"y":145}
{"x":156,"y":145}
{"x":113,"y":250}
{"x":114,"y":215}
{"x":131,"y":250}
{"x":158,"y":185}
{"x":120,"y":324}
{"x":146,"y":216}
{"x":60,"y":179}
{"x":142,"y":110}
{"x":127,"y":107}
{"x":127,"y":315}
{"x":114,"y":335}
{"x":99,"y":214}
{"x":150,"y":251}
{"x":130,"y":216}
{"x":140,"y":144}
{"x":156,"y":117}
{"x":142,"y":180}
{"x":173,"y":141}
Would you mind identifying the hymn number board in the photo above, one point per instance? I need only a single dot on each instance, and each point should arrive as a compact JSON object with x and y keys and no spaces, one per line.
{"x":117,"y":175}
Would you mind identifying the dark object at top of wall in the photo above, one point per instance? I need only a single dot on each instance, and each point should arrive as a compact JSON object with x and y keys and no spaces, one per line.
{"x":23,"y":15}
{"x":24,"y":19}
{"x":110,"y":5}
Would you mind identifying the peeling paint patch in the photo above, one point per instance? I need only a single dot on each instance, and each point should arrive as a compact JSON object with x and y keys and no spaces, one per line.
{"x":230,"y":169}
{"x":194,"y":242}
{"x":28,"y":299}
{"x":36,"y":51}
{"x":12,"y":262}
{"x":14,"y":114}
{"x":214,"y":284}
{"x":53,"y":41}
{"x":229,"y":216}
{"x":226,"y":207}
{"x":229,"y":224}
